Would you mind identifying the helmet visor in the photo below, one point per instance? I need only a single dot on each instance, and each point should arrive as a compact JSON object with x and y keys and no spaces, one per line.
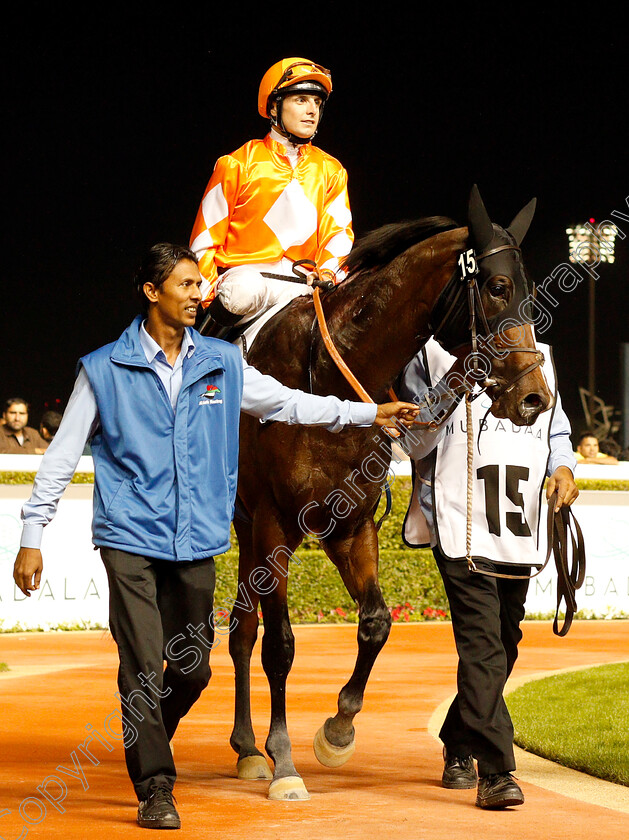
{"x":308,"y":70}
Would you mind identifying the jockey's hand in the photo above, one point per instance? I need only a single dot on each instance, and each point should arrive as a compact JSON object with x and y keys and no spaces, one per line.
{"x":396,"y":414}
{"x":28,"y":569}
{"x":323,"y":275}
{"x":563,"y":482}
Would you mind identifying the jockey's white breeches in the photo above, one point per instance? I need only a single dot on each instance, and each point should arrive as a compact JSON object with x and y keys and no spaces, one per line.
{"x":244,"y":291}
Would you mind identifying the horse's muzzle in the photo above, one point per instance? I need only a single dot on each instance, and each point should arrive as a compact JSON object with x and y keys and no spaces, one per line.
{"x":532,"y":405}
{"x":521,"y":406}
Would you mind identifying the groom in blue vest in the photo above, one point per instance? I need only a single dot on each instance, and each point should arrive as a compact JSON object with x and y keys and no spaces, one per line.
{"x":160,"y":408}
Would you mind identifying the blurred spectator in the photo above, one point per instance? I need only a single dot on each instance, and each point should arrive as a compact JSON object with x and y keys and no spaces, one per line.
{"x":49,"y":424}
{"x":588,"y":451}
{"x":16,"y":438}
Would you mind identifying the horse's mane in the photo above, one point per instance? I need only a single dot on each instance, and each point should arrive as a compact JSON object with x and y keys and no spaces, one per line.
{"x":383,"y":244}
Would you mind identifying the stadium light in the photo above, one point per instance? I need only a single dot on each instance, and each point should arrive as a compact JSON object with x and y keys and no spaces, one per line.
{"x":592,"y":245}
{"x":589,"y":244}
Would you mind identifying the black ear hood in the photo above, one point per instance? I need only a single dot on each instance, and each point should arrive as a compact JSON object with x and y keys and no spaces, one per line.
{"x":506,"y":258}
{"x":520,"y":225}
{"x":484,"y":234}
{"x":478,"y":222}
{"x":497,"y":253}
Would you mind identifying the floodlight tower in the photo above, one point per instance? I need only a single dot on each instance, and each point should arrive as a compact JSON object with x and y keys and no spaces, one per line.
{"x":592,"y":246}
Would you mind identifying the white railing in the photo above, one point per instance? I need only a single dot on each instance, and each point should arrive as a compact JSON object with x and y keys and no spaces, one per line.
{"x":74,"y":585}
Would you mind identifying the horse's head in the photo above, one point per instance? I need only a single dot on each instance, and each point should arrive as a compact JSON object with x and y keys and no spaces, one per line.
{"x":495,"y":318}
{"x":516,"y":384}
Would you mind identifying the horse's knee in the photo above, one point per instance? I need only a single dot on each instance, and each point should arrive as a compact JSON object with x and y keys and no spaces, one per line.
{"x":242,"y":638}
{"x":278,"y":648}
{"x":374,"y":627}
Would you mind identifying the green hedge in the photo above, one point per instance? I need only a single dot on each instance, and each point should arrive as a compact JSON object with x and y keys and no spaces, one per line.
{"x":409,"y":578}
{"x":11,"y":477}
{"x":410,"y":583}
{"x":602,"y":484}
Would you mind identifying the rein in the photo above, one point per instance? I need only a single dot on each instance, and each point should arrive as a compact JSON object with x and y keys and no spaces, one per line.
{"x":300,"y":277}
{"x":349,"y":376}
{"x":353,"y":381}
{"x":338,"y":360}
{"x":334,"y":353}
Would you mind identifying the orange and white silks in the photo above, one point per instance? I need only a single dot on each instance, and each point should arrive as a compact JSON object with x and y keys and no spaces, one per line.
{"x":258,"y":209}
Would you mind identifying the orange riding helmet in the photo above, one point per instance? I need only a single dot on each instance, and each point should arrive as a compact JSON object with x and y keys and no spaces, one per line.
{"x":292,"y":75}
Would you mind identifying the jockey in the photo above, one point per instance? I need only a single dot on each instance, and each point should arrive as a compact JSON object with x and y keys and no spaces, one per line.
{"x":274,"y":201}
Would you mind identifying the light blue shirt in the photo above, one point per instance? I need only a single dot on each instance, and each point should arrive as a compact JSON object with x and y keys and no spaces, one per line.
{"x":263,"y":397}
{"x":171,"y":376}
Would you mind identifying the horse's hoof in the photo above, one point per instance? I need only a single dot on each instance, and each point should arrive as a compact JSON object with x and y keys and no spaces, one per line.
{"x":287,"y":789}
{"x":328,"y":754}
{"x":253,"y":767}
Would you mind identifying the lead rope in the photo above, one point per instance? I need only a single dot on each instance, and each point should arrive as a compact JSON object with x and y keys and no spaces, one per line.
{"x":470,"y":483}
{"x":562,"y":530}
{"x":471,"y":290}
{"x":473,"y":296}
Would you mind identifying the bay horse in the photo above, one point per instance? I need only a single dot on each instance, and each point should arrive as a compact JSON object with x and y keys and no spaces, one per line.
{"x":403,"y":286}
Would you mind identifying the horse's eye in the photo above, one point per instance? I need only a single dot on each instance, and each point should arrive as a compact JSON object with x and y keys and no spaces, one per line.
{"x":498,"y":290}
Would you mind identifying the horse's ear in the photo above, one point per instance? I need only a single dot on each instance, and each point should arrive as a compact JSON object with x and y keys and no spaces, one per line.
{"x":479,"y":222}
{"x":522,"y":221}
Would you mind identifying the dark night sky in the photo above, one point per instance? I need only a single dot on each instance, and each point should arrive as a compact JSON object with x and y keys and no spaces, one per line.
{"x":114,"y":124}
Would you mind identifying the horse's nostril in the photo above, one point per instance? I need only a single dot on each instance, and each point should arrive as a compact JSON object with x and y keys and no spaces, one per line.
{"x":531,"y":406}
{"x":533,"y":401}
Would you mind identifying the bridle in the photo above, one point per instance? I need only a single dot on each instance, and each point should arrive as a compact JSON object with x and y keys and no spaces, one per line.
{"x":469,"y":282}
{"x":563,"y":531}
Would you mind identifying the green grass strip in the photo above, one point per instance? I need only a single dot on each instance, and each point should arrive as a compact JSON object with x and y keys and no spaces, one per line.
{"x":403,"y":483}
{"x":578,"y":719}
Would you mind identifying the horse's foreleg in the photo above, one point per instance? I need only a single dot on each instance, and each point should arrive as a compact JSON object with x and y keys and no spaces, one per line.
{"x":373,"y":631}
{"x":357,"y":561}
{"x":278,"y":650}
{"x":243,"y":633}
